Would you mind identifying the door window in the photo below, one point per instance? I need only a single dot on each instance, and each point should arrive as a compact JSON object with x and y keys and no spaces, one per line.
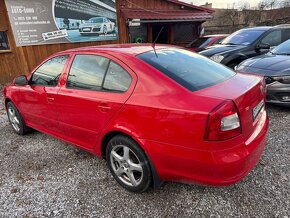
{"x":93,"y":72}
{"x":286,"y":34}
{"x":87,"y":72}
{"x":48,"y":73}
{"x":274,"y":38}
{"x":117,"y":79}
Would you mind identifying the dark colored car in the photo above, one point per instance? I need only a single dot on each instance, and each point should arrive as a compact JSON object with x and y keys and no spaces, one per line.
{"x":247,"y":43}
{"x":122,"y":103}
{"x":275,"y":66}
{"x":203,"y":42}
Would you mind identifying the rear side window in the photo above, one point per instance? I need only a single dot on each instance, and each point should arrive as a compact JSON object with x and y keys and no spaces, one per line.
{"x":93,"y":72}
{"x":286,"y":34}
{"x":117,"y":79}
{"x":87,"y":72}
{"x":189,"y":69}
{"x":48,"y":73}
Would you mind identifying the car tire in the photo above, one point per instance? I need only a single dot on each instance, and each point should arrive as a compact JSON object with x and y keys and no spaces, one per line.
{"x":105,"y":30}
{"x":128,"y":164}
{"x":232,"y":65}
{"x":16,"y":119}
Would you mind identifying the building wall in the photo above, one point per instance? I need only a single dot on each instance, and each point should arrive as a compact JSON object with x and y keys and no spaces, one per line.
{"x":22,"y":60}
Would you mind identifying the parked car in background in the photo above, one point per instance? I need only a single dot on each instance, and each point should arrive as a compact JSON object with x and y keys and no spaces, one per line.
{"x":122,"y":103}
{"x":201,"y":43}
{"x":275,"y":67}
{"x":97,"y":25}
{"x":247,"y":43}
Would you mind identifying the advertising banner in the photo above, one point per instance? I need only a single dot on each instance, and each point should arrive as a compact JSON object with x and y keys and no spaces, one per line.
{"x":37,"y":22}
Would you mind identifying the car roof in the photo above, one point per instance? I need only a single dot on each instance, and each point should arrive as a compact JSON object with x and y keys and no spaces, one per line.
{"x":265,"y":28}
{"x":128,"y":49}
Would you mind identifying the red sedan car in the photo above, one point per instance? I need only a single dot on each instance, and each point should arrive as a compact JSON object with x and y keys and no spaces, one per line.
{"x":155,"y":114}
{"x":203,"y":42}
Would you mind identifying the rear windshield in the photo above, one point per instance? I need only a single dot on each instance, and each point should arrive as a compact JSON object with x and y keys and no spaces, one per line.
{"x":199,"y":43}
{"x":187,"y":68}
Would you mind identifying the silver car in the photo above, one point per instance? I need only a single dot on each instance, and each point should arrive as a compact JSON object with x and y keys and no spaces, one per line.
{"x":97,"y":25}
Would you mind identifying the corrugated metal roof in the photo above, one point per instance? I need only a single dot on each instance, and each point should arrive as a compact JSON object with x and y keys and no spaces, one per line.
{"x":130,"y":13}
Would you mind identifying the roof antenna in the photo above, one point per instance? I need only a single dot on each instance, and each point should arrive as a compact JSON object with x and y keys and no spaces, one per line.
{"x":153,"y":45}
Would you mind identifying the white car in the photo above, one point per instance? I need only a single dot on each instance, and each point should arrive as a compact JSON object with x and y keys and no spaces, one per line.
{"x":97,"y":25}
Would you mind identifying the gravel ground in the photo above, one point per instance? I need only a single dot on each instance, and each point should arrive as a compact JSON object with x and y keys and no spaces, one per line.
{"x":42,"y":176}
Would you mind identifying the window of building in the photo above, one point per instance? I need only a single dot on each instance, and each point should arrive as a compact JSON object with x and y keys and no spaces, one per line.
{"x":4,"y":45}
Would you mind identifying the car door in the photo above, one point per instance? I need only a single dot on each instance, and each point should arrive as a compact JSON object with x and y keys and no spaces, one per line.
{"x":96,"y":88}
{"x":38,"y":97}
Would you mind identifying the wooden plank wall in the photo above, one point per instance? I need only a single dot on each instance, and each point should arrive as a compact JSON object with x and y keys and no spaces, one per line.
{"x":21,"y":60}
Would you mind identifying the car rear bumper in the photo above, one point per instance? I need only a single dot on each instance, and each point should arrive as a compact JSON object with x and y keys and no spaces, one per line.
{"x":175,"y":163}
{"x":278,"y":93}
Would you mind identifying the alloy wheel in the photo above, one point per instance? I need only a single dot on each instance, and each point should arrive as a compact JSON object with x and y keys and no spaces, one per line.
{"x":14,"y":119}
{"x":126,"y":165}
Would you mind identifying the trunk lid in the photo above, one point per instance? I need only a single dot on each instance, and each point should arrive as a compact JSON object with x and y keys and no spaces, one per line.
{"x":247,"y":91}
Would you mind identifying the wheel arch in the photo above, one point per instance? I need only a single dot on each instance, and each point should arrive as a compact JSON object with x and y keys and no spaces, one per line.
{"x":7,"y":100}
{"x":238,"y":58}
{"x":157,"y":182}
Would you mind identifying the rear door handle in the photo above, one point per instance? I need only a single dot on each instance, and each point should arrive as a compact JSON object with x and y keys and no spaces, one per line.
{"x":104,"y":107}
{"x":50,"y":99}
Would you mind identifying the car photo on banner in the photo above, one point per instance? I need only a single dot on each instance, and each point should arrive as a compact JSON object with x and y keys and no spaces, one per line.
{"x":86,"y":26}
{"x":61,"y":21}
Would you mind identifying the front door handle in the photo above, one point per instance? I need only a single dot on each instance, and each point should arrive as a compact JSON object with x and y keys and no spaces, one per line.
{"x":104,"y":107}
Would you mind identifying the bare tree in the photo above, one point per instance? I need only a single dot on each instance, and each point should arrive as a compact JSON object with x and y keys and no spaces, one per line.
{"x":232,"y":15}
{"x":248,"y":15}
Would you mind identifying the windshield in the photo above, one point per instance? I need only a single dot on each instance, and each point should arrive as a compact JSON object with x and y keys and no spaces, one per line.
{"x":187,"y":68}
{"x":95,"y":20}
{"x":199,"y":42}
{"x":243,"y":37}
{"x":282,"y":49}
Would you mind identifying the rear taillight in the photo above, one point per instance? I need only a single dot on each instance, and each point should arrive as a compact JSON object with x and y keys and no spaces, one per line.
{"x":223,"y":122}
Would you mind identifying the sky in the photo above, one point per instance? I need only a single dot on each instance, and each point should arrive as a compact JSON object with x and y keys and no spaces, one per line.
{"x":223,"y":3}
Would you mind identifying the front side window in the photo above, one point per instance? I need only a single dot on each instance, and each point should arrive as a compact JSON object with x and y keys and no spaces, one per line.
{"x":274,"y":38}
{"x":87,"y":72}
{"x":117,"y":79}
{"x":48,"y":73}
{"x":189,"y":69}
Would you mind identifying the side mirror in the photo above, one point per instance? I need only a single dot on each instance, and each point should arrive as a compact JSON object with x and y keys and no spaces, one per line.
{"x":21,"y":81}
{"x":263,"y":46}
{"x":272,"y":48}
